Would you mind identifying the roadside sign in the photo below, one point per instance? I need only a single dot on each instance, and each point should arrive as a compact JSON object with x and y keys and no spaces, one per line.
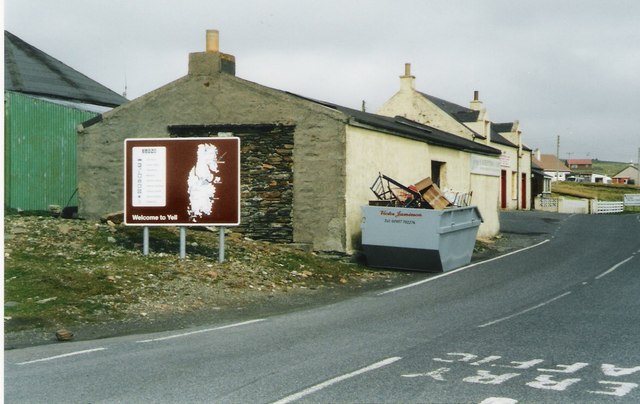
{"x":182,"y":181}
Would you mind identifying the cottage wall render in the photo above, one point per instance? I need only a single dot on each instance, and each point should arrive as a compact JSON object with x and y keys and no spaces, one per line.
{"x":428,"y":110}
{"x":409,"y":103}
{"x":409,"y":161}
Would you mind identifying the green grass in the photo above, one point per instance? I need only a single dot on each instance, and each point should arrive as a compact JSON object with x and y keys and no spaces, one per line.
{"x":608,"y":168}
{"x":603,"y":192}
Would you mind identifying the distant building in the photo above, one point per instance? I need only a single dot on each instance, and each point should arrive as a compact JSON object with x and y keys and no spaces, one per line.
{"x":552,"y":166}
{"x":540,"y":182}
{"x":579,"y":164}
{"x":589,"y":178}
{"x":44,"y":102}
{"x":630,"y":175}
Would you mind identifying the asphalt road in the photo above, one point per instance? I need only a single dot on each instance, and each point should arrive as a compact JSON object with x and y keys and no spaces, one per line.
{"x":557,"y":322}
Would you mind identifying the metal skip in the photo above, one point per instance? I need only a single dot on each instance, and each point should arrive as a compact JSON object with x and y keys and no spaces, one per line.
{"x":417,"y":237}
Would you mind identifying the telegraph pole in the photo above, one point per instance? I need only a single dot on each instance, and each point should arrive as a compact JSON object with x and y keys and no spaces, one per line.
{"x":638,"y":168}
{"x":558,"y":158}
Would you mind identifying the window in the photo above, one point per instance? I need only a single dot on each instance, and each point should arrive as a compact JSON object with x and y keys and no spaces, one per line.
{"x":437,"y":172}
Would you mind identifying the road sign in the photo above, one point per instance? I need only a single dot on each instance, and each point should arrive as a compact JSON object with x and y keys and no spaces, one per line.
{"x":182,"y":181}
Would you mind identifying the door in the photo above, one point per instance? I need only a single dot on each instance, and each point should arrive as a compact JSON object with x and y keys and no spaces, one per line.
{"x":523,"y":195}
{"x":503,"y":189}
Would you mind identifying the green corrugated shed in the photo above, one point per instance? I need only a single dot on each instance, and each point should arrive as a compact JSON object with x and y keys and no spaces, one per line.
{"x":40,"y":152}
{"x":44,"y":102}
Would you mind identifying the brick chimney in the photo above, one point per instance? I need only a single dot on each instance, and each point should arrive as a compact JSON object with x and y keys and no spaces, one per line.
{"x":211,"y":61}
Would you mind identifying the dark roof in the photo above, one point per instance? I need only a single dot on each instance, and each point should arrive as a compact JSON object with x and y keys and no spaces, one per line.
{"x":498,"y":138}
{"x":464,"y":114}
{"x":503,"y":126}
{"x":460,"y":113}
{"x":29,"y":70}
{"x":404,"y":127}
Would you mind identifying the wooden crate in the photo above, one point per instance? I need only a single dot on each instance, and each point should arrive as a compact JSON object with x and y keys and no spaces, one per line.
{"x":432,"y":194}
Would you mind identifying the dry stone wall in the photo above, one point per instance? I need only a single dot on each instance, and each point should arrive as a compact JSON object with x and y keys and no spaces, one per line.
{"x":266,"y":177}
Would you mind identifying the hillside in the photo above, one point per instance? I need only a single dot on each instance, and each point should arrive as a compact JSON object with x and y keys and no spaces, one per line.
{"x":608,"y":168}
{"x":603,"y":192}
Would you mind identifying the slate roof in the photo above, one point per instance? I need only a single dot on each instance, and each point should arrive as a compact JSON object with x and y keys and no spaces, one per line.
{"x":467,"y":115}
{"x":31,"y":71}
{"x":404,"y":127}
{"x":504,"y":126}
{"x":458,"y":112}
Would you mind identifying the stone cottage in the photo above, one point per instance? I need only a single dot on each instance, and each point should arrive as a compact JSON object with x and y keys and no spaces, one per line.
{"x":306,"y":166}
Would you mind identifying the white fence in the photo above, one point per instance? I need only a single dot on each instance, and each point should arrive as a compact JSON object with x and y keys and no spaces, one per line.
{"x":599,"y":207}
{"x":584,"y":206}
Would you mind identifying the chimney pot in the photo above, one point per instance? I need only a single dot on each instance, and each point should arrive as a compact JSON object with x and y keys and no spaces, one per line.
{"x":476,"y":95}
{"x":407,"y":69}
{"x":213,"y":40}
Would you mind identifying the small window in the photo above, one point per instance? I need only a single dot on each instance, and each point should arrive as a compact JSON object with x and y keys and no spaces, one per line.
{"x":437,"y":172}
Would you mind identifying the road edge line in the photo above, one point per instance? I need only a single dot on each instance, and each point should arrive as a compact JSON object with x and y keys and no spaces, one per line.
{"x":461,"y":269}
{"x":335,"y":380}
{"x":200,"y":331}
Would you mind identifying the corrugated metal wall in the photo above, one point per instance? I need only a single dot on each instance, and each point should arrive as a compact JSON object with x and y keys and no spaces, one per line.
{"x":40,"y":152}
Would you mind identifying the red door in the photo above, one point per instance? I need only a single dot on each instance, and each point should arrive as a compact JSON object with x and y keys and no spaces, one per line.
{"x":523,"y":197}
{"x":503,"y":189}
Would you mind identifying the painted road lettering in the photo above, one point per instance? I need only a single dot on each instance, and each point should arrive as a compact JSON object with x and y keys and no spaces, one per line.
{"x":545,"y":377}
{"x":547,"y":382}
{"x":484,"y":377}
{"x":619,"y":389}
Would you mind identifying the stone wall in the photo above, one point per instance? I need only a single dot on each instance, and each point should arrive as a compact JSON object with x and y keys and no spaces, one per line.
{"x":266,"y":177}
{"x":311,"y":211}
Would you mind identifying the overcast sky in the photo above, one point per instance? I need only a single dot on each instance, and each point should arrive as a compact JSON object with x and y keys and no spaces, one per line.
{"x":568,"y":68}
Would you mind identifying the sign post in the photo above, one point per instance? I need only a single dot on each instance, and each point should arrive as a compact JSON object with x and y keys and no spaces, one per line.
{"x":182,"y":182}
{"x":221,"y":245}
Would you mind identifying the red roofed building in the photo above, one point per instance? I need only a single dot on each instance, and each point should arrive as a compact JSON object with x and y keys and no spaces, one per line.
{"x":579,"y":163}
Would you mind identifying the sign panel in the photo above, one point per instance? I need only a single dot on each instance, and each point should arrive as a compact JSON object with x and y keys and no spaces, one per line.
{"x":505,"y":160}
{"x":149,"y":176}
{"x":632,"y":199}
{"x":485,"y":166}
{"x":182,"y":181}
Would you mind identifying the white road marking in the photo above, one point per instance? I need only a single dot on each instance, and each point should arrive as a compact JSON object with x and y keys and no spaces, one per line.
{"x":619,"y":389}
{"x":459,"y":269}
{"x":566,"y":368}
{"x":498,"y":400}
{"x":434,"y":374}
{"x":335,"y":380}
{"x":613,"y":268}
{"x":546,"y":382}
{"x":485,"y":377}
{"x":200,"y":331}
{"x":524,"y":311}
{"x":62,"y":356}
{"x":615,"y":371}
